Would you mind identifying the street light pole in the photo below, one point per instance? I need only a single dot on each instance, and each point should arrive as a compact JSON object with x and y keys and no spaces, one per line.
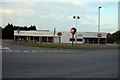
{"x":76,"y":18}
{"x":54,"y":35}
{"x":99,"y":23}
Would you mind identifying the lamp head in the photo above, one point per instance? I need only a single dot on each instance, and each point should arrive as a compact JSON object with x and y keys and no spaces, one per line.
{"x":74,"y":17}
{"x":100,"y":7}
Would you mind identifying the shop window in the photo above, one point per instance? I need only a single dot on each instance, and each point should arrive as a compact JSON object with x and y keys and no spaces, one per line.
{"x":72,"y":39}
{"x":79,"y":40}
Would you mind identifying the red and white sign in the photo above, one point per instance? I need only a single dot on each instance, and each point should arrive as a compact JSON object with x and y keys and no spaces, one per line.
{"x":59,"y":33}
{"x":73,"y":30}
{"x":99,"y":35}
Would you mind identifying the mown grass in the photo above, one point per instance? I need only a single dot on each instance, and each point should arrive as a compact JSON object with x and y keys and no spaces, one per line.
{"x":69,"y":46}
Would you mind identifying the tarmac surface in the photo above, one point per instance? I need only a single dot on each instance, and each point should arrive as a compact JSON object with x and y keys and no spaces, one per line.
{"x":20,"y":61}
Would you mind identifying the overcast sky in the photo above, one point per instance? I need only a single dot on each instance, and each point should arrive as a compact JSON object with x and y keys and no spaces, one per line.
{"x":58,"y":14}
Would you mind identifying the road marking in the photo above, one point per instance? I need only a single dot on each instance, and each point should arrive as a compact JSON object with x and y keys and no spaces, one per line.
{"x":1,"y":51}
{"x":17,"y":51}
{"x":1,"y":47}
{"x":26,"y":51}
{"x":42,"y":51}
{"x":9,"y":51}
{"x":67,"y":51}
{"x":61,"y":51}
{"x":49,"y":51}
{"x":34,"y":51}
{"x":55,"y":51}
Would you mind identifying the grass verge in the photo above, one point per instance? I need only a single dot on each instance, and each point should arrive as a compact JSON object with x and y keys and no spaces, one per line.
{"x":69,"y":46}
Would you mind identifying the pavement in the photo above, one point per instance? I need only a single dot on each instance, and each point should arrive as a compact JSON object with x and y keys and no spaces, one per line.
{"x":20,"y":61}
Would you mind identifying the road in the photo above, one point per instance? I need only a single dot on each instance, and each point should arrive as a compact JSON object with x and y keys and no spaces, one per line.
{"x":32,"y":62}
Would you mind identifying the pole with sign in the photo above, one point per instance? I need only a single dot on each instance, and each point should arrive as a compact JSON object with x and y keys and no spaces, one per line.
{"x":99,"y":36}
{"x":73,"y":31}
{"x":59,"y":34}
{"x":54,"y":35}
{"x":18,"y":34}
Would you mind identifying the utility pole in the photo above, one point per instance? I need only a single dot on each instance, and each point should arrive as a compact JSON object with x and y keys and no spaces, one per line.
{"x":99,"y":23}
{"x":76,"y":18}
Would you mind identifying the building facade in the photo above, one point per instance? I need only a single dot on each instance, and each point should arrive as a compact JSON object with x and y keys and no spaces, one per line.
{"x":46,"y":36}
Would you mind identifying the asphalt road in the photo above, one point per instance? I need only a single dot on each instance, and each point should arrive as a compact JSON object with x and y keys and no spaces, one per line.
{"x":31,"y":62}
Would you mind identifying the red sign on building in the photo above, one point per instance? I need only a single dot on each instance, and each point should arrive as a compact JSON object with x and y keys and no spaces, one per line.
{"x":99,"y":35}
{"x":73,"y":30}
{"x":59,"y":33}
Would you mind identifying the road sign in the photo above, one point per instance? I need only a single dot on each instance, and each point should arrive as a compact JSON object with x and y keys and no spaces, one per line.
{"x":99,"y":35}
{"x":59,"y":33}
{"x":73,"y":30}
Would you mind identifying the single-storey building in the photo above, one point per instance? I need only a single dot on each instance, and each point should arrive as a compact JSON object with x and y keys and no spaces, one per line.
{"x":46,"y":36}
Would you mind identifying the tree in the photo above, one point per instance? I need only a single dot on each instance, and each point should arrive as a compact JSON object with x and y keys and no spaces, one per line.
{"x":8,"y":32}
{"x":115,"y":37}
{"x":32,"y":27}
{"x":110,"y":38}
{"x":16,"y":27}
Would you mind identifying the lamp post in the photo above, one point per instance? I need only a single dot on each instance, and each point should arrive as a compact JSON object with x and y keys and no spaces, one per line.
{"x":76,"y":18}
{"x":99,"y":23}
{"x":54,"y":35}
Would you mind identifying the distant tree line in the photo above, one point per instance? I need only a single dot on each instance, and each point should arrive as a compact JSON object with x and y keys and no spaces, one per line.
{"x":8,"y":31}
{"x":113,"y":38}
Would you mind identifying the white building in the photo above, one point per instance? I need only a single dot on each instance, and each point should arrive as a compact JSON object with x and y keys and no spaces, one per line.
{"x":46,"y":36}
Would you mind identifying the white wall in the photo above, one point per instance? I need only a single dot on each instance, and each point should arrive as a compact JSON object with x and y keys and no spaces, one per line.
{"x":34,"y":33}
{"x":93,"y":34}
{"x":65,"y":38}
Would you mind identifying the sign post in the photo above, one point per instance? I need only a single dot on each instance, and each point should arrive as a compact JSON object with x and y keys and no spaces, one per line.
{"x":99,"y":36}
{"x":73,"y":31}
{"x":54,"y":35}
{"x":18,"y":34}
{"x":59,"y":34}
{"x":72,"y":40}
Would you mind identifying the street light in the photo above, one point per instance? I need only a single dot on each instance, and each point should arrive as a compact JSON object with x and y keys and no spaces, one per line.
{"x":99,"y":23}
{"x":76,"y":18}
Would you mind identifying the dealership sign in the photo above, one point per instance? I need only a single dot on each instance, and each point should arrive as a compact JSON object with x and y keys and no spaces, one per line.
{"x":99,"y":35}
{"x":73,"y":30}
{"x":59,"y":34}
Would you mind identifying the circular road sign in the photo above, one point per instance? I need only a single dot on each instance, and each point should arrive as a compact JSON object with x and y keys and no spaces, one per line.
{"x":59,"y":33}
{"x":73,"y":30}
{"x":99,"y":35}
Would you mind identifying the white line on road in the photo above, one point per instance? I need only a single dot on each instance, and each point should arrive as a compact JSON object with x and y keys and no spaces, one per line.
{"x":26,"y":51}
{"x":1,"y":51}
{"x":67,"y":51}
{"x":17,"y":51}
{"x":41,"y":51}
{"x":49,"y":51}
{"x":61,"y":51}
{"x":55,"y":51}
{"x":34,"y":51}
{"x":9,"y":51}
